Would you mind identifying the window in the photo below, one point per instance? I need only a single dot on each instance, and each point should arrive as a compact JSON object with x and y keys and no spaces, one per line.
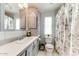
{"x":48,"y":25}
{"x":17,"y":24}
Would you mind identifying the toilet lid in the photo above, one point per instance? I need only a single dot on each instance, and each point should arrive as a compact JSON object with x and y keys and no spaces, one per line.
{"x":49,"y":46}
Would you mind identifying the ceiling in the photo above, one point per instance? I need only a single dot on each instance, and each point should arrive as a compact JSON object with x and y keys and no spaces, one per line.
{"x":43,"y":7}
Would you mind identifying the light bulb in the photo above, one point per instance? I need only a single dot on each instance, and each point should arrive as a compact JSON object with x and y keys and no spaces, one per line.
{"x":20,"y":6}
{"x":23,"y":5}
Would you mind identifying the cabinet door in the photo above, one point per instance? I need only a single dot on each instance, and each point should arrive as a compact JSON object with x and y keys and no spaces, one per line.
{"x":32,"y":13}
{"x":29,"y":50}
{"x":32,"y":22}
{"x":35,"y":48}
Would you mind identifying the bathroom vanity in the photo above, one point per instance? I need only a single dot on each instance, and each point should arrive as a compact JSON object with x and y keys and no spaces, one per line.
{"x":25,"y":47}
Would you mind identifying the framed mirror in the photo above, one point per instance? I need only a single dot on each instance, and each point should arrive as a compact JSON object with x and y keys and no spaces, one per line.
{"x":12,"y":18}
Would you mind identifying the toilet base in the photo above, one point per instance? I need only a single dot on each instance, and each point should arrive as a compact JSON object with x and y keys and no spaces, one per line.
{"x":49,"y":49}
{"x":49,"y":54}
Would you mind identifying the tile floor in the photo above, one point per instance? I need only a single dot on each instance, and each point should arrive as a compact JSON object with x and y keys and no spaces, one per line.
{"x":43,"y":53}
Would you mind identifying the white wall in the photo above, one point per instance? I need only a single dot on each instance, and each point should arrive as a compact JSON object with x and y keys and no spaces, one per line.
{"x":46,"y":14}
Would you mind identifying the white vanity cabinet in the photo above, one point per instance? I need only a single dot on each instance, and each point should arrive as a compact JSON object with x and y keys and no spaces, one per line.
{"x":34,"y":53}
{"x":32,"y":50}
{"x":29,"y":50}
{"x":35,"y":47}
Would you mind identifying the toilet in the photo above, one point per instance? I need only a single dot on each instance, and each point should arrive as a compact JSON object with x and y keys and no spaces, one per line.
{"x":49,"y":46}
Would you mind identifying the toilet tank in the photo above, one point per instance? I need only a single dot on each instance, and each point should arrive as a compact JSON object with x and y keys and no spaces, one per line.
{"x":48,"y":40}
